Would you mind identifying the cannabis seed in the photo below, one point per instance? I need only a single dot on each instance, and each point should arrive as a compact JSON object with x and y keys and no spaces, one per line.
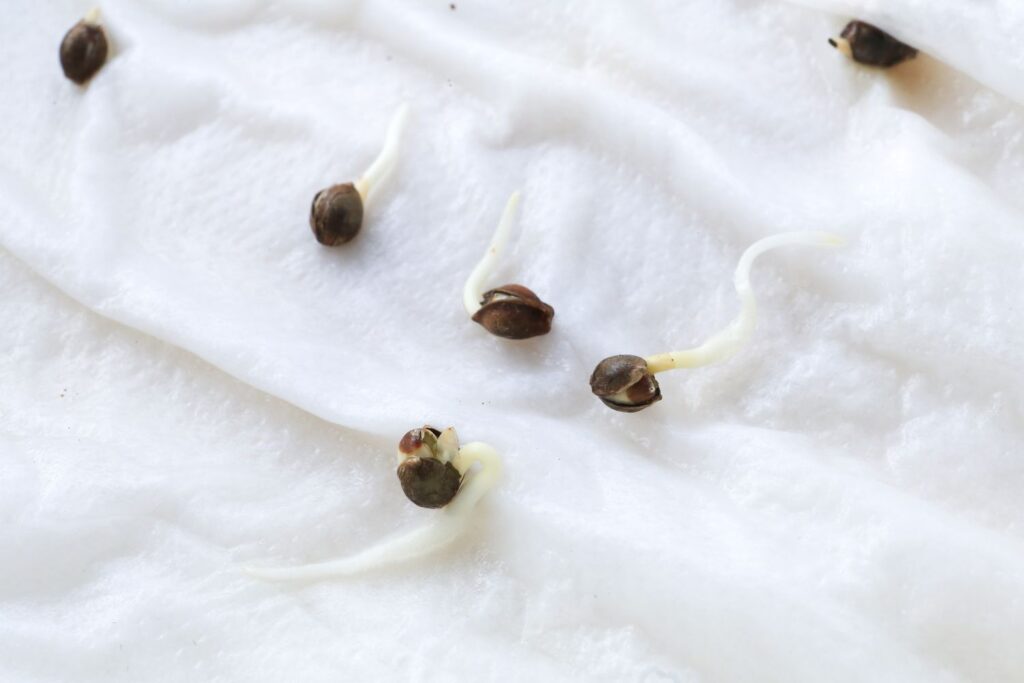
{"x":624,"y":383}
{"x":336,"y":214}
{"x":514,"y":312}
{"x":429,"y":483}
{"x":427,"y":477}
{"x":420,"y":442}
{"x":867,"y":44}
{"x":83,"y":50}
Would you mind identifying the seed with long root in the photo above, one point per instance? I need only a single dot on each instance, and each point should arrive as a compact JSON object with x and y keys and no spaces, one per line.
{"x":336,"y":215}
{"x":511,"y":311}
{"x":426,"y":444}
{"x":627,"y":383}
{"x":870,"y":45}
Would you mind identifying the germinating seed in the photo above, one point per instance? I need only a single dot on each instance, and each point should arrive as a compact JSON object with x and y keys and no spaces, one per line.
{"x":336,"y":214}
{"x":425,"y":444}
{"x":627,"y":383}
{"x":510,"y":311}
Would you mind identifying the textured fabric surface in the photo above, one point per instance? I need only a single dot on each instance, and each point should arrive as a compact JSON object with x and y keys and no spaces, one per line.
{"x":192,"y":383}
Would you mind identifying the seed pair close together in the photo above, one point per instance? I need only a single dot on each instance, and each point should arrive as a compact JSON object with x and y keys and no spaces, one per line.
{"x":510,"y":311}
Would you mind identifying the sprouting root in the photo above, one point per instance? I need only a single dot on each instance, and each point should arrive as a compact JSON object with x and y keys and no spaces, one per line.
{"x":451,"y":522}
{"x":726,"y":343}
{"x":385,"y":161}
{"x":473,"y":292}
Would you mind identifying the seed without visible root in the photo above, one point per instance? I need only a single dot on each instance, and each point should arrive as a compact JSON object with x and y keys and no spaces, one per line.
{"x":83,"y":50}
{"x":336,"y":214}
{"x":869,"y":45}
{"x":514,"y":312}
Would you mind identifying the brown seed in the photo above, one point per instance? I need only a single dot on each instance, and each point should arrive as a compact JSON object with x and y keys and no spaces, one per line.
{"x":426,"y":480}
{"x":83,"y":51}
{"x":625,"y":384}
{"x":514,"y":312}
{"x":873,"y":46}
{"x":336,"y":214}
{"x":429,"y":483}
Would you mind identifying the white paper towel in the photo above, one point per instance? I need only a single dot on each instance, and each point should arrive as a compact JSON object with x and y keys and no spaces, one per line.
{"x":191,"y":383}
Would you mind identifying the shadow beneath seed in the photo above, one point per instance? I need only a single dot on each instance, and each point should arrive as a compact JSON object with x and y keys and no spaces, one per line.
{"x":935,"y":91}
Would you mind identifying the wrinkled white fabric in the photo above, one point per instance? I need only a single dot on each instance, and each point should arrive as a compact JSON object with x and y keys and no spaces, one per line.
{"x":192,"y":383}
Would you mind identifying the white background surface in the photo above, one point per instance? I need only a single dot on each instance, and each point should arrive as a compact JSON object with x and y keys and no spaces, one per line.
{"x":191,"y":383}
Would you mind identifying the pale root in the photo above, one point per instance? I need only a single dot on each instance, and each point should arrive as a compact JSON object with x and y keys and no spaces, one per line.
{"x":473,"y":292}
{"x":734,"y":336}
{"x":451,"y":522}
{"x":385,"y":161}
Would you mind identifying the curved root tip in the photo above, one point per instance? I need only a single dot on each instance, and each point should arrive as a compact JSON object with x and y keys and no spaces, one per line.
{"x":727,"y":342}
{"x":92,"y":17}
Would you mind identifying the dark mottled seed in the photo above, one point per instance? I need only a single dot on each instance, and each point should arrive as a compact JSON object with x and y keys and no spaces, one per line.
{"x":628,"y":375}
{"x":429,"y":483}
{"x":83,"y":51}
{"x":336,"y":214}
{"x":426,"y":479}
{"x":873,"y":46}
{"x":514,"y":312}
